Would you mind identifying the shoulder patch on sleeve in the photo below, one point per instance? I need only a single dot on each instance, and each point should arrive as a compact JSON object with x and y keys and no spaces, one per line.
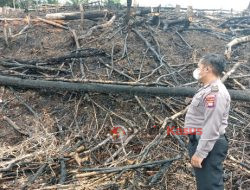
{"x":210,"y":101}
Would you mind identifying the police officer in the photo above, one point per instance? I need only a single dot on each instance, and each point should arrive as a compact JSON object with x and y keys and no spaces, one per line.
{"x":209,"y":111}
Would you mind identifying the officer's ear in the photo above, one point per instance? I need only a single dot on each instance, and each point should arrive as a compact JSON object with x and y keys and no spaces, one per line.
{"x":208,"y":68}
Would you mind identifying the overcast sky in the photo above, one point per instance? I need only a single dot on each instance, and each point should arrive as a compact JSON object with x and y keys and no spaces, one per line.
{"x":205,"y":4}
{"x":210,"y":4}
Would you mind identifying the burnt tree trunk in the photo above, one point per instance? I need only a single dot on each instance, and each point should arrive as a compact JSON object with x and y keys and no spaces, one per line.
{"x":141,"y":90}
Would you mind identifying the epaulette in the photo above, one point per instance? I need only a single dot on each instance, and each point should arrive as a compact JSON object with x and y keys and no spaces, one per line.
{"x":214,"y":88}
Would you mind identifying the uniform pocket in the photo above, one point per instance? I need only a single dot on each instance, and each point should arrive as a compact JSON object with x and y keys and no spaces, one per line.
{"x":197,"y":99}
{"x":197,"y":106}
{"x":220,"y":149}
{"x":195,"y":102}
{"x":192,"y":148}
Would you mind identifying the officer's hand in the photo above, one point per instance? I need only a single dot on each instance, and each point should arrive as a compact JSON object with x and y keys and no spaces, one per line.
{"x":196,"y":161}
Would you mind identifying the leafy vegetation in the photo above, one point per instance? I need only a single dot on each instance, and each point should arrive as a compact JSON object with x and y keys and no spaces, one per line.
{"x":25,"y":3}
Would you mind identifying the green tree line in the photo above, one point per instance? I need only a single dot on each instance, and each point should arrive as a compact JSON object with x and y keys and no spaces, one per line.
{"x":26,"y":3}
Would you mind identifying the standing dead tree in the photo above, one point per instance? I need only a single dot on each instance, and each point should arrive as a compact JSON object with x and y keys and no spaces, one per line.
{"x":129,"y":3}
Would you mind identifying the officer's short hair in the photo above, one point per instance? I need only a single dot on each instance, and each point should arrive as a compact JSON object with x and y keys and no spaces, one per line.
{"x":217,"y":62}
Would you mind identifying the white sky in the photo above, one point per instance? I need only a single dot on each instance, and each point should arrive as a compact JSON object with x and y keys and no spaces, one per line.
{"x":208,"y":4}
{"x":205,"y":4}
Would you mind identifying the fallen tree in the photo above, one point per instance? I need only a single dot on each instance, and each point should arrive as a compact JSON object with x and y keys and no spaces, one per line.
{"x":235,"y":42}
{"x":234,"y":20}
{"x":119,"y":169}
{"x":81,"y":53}
{"x":101,"y":26}
{"x":181,"y":22}
{"x":77,"y":15}
{"x":111,"y":88}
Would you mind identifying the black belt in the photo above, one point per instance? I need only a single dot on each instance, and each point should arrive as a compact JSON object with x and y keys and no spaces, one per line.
{"x":194,"y":138}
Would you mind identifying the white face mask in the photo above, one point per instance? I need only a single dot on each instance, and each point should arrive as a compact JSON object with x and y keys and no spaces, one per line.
{"x":196,"y":74}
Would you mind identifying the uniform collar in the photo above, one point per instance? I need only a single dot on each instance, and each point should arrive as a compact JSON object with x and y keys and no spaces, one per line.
{"x":209,"y":84}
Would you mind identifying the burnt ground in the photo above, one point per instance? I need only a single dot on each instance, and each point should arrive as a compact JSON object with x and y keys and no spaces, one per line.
{"x":61,"y":126}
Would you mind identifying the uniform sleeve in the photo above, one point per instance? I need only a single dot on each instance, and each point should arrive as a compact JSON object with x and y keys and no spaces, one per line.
{"x":215,"y":106}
